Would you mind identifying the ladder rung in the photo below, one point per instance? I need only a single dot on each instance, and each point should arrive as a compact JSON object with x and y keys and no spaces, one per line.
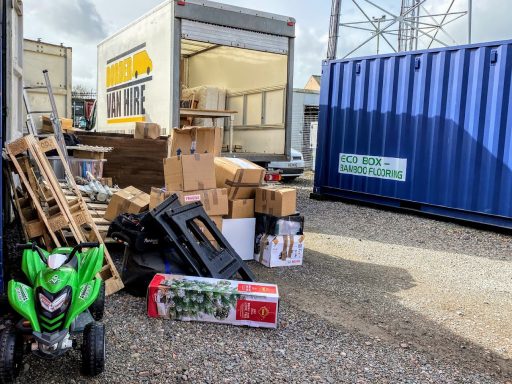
{"x":35,"y":87}
{"x":32,"y":112}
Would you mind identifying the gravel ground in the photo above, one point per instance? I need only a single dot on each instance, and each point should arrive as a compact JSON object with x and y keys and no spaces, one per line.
{"x":382,"y":297}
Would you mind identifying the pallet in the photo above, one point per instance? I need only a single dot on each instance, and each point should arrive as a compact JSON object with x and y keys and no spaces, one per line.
{"x":64,"y":213}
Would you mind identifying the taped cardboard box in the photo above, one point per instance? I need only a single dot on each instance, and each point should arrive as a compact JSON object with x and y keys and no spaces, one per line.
{"x":241,"y":177}
{"x":276,"y":201}
{"x":218,"y":221}
{"x":281,"y":251}
{"x":127,"y":200}
{"x":47,"y":126}
{"x":200,"y":139}
{"x":215,"y":201}
{"x":241,"y":209}
{"x":191,"y":298}
{"x":146,"y":131}
{"x":189,"y":172}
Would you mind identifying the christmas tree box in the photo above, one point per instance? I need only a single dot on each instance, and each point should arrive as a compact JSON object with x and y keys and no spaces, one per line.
{"x":191,"y":298}
{"x":281,"y":250}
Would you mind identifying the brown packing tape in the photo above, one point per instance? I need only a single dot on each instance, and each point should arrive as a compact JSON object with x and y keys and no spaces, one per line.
{"x":234,"y":184}
{"x":200,"y":185}
{"x":239,"y":181}
{"x":284,"y":252}
{"x":263,"y":195}
{"x":206,"y":202}
{"x":146,"y":131}
{"x":273,"y":195}
{"x":263,"y":244}
{"x":197,"y":157}
{"x":215,"y":197}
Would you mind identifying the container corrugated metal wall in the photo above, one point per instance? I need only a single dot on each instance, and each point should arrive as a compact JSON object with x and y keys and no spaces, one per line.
{"x":445,"y":113}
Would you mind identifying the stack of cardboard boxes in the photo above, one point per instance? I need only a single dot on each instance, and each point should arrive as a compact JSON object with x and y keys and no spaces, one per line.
{"x":189,"y":172}
{"x":241,"y":178}
{"x":279,"y":234}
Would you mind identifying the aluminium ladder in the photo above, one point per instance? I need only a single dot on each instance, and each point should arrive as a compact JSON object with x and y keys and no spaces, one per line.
{"x":54,"y":116}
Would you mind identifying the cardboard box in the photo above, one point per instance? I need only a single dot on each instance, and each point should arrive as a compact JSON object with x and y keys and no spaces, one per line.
{"x":145,"y":130}
{"x":281,"y":251}
{"x":203,"y":139}
{"x":240,"y":234}
{"x":272,"y":225}
{"x":191,"y":298}
{"x":241,"y":209}
{"x":276,"y":201}
{"x":65,"y":124}
{"x":189,"y":172}
{"x":218,"y":221}
{"x":127,"y":200}
{"x":239,"y":176}
{"x":215,"y":201}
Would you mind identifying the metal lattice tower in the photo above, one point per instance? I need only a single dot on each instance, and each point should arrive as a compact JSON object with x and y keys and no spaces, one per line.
{"x":415,"y":25}
{"x":408,"y":31}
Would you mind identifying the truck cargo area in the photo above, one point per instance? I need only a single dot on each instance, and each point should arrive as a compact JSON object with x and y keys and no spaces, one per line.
{"x":249,"y":83}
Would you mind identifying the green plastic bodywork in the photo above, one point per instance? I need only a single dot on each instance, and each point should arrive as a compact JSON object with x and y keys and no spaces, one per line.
{"x":85,"y":286}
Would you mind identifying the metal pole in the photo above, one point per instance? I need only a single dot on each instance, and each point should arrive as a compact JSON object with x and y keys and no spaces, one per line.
{"x":377,"y":32}
{"x":334,"y":26}
{"x":470,"y":16}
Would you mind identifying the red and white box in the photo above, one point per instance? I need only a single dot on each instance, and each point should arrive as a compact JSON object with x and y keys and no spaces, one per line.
{"x":191,"y":298}
{"x":281,"y":251}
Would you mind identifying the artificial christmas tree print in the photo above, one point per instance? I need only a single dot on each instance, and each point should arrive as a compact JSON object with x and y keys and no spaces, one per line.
{"x":221,"y":301}
{"x":195,"y":298}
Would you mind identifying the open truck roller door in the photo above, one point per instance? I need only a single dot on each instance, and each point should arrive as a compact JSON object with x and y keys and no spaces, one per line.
{"x":199,"y":54}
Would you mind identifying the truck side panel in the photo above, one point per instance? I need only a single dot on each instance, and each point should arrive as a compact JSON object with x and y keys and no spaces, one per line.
{"x":134,"y":67}
{"x":38,"y":56}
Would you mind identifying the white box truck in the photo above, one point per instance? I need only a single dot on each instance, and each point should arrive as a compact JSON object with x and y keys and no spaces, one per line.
{"x":190,"y":61}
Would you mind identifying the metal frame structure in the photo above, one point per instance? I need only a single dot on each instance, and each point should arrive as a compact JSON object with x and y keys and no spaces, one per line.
{"x":413,"y":22}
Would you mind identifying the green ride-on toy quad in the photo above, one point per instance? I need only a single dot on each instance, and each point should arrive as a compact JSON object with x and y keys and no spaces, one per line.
{"x":62,"y":298}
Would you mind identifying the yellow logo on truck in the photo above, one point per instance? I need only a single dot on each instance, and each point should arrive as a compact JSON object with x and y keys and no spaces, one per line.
{"x":126,"y":78}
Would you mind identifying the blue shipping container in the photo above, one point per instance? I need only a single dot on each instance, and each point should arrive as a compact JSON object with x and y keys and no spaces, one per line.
{"x":428,"y":130}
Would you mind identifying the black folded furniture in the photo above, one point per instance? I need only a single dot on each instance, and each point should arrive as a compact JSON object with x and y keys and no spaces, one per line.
{"x":181,"y":227}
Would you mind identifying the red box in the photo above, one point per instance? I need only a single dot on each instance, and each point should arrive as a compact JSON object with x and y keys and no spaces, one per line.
{"x":190,"y":298}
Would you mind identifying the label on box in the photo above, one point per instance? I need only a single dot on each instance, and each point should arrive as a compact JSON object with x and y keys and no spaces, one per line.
{"x":256,"y":311}
{"x":192,"y":198}
{"x":255,"y":288}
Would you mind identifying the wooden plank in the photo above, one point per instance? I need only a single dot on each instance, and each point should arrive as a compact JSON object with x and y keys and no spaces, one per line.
{"x":71,"y":216}
{"x":13,"y":149}
{"x":136,"y":162}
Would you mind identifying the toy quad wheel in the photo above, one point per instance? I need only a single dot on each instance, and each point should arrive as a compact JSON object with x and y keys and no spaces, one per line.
{"x":98,"y":307}
{"x":11,"y":355}
{"x":93,"y":349}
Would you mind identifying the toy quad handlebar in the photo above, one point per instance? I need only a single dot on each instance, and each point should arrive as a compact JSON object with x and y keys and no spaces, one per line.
{"x":77,"y":248}
{"x":33,"y":246}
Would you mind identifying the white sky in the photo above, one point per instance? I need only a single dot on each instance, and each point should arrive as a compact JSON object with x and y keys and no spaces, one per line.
{"x":81,"y":24}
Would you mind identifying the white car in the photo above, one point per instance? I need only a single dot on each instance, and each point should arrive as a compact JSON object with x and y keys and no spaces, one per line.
{"x":289,"y":169}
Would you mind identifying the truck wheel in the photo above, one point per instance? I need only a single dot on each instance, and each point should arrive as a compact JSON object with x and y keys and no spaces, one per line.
{"x":11,"y":355}
{"x":98,"y":307}
{"x":93,"y":349}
